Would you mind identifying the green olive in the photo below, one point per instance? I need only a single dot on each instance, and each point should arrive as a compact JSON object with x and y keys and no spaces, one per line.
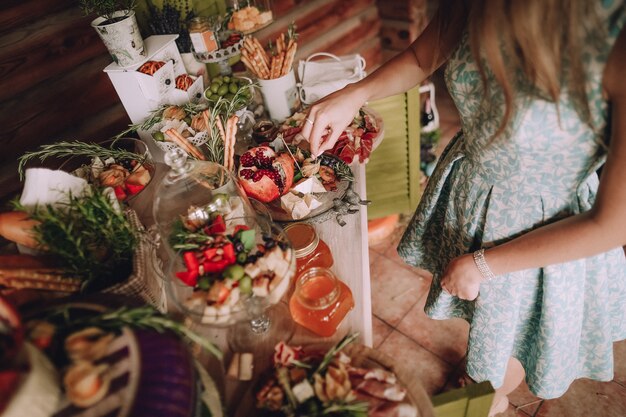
{"x":235,"y":272}
{"x":158,"y":136}
{"x":214,"y":97}
{"x":223,"y":90}
{"x":233,"y":87}
{"x":245,"y":285}
{"x":226,"y":79}
{"x":214,"y":87}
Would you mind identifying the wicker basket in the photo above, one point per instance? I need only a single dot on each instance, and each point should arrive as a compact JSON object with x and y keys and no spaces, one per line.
{"x":144,"y":282}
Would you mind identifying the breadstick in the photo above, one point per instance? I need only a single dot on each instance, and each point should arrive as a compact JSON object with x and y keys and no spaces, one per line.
{"x":187,"y":146}
{"x":280,"y":43}
{"x":251,"y":64}
{"x":279,"y":65}
{"x":231,"y":131}
{"x":291,"y":54}
{"x":207,"y":120}
{"x":220,"y":128}
{"x":259,"y":47}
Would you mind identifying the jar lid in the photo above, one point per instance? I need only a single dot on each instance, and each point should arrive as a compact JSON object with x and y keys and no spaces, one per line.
{"x":303,"y":237}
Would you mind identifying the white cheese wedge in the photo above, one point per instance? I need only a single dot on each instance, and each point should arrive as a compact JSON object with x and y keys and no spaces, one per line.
{"x":294,"y":206}
{"x":298,"y":207}
{"x":309,"y":185}
{"x":303,"y":391}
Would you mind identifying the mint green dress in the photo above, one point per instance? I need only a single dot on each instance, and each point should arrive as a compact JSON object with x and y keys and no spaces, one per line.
{"x":559,"y":321}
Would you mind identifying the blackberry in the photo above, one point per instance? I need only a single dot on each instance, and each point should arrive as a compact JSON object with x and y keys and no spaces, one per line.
{"x":266,"y":237}
{"x":270,"y":244}
{"x":247,"y":174}
{"x":251,"y":259}
{"x":246,"y":160}
{"x":283,"y":245}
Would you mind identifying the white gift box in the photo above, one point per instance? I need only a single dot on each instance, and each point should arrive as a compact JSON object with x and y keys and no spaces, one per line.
{"x":193,"y":93}
{"x":140,"y":93}
{"x":156,"y":87}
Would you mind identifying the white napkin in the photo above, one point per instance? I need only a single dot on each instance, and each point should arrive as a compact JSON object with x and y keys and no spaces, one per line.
{"x":46,"y":186}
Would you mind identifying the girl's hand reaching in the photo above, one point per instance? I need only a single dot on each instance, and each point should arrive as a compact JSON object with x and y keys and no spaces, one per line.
{"x":329,"y":117}
{"x":462,"y":278}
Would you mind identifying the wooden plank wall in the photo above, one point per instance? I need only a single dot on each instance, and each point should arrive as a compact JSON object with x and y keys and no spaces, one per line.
{"x":51,"y":81}
{"x":335,"y":26}
{"x":52,"y":86}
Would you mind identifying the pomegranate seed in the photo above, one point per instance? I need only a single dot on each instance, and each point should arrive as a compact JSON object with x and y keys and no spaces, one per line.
{"x":246,"y":174}
{"x":246,"y":160}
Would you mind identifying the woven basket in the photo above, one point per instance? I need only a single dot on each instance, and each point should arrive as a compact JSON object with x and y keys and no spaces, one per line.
{"x":144,"y":282}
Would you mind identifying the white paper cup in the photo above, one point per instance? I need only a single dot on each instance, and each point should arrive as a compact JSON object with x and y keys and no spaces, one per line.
{"x":280,"y":96}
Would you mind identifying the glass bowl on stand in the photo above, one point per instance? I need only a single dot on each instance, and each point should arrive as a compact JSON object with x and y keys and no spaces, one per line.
{"x":236,"y":279}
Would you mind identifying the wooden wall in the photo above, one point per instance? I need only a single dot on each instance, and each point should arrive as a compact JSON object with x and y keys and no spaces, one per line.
{"x":52,"y":86}
{"x":336,"y":26}
{"x":51,"y":82}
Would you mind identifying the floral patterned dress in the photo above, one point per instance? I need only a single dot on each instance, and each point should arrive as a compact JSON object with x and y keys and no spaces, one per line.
{"x":559,"y":321}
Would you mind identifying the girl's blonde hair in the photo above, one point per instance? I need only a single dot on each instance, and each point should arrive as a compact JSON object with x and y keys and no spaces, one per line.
{"x":542,"y":38}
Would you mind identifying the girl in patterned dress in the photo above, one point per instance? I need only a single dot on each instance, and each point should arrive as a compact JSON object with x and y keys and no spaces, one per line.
{"x":523,"y":240}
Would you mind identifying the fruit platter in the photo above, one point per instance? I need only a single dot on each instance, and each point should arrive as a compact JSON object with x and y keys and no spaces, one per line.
{"x":225,"y":262}
{"x":347,"y":380}
{"x":355,"y":143}
{"x":292,"y":185}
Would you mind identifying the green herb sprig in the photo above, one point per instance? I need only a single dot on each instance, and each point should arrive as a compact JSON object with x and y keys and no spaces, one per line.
{"x":332,"y":352}
{"x":105,"y":8}
{"x":77,"y":148}
{"x":156,"y":116}
{"x":90,"y":238}
{"x":144,"y":317}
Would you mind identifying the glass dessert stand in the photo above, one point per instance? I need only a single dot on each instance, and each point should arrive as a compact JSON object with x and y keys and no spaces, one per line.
{"x":238,"y":304}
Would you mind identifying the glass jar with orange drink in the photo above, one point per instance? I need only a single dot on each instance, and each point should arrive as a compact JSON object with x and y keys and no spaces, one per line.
{"x":320,"y":301}
{"x":311,"y":251}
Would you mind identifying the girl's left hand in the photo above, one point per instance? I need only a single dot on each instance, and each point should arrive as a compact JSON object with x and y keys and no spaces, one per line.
{"x":462,"y":278}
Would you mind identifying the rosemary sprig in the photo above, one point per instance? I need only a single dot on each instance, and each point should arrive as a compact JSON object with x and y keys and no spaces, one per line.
{"x":77,"y":148}
{"x":156,"y":116}
{"x":328,"y":357}
{"x":183,"y":239}
{"x":144,"y":317}
{"x":352,"y":409}
{"x":343,"y":170}
{"x":292,"y":32}
{"x":88,"y":236}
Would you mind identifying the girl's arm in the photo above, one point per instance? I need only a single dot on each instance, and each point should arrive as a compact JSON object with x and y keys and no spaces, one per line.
{"x":336,"y":111}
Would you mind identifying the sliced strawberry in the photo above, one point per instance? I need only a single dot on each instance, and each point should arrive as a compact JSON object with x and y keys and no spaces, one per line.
{"x":188,"y":277}
{"x":120,"y":194}
{"x":240,"y":227}
{"x":217,"y":226}
{"x":134,"y":189}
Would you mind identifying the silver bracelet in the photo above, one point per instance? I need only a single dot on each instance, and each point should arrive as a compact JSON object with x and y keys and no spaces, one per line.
{"x":481,"y":264}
